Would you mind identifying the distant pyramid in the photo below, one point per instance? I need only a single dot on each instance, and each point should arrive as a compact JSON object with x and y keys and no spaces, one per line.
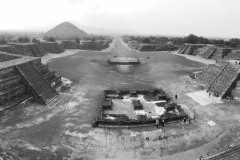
{"x":66,"y":29}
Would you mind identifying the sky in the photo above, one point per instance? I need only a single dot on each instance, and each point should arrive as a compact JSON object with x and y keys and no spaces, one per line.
{"x":210,"y":18}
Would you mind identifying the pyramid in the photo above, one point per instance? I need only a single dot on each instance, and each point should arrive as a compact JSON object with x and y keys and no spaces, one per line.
{"x":66,"y":29}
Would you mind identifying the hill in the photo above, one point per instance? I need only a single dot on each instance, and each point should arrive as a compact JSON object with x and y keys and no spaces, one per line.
{"x":66,"y":29}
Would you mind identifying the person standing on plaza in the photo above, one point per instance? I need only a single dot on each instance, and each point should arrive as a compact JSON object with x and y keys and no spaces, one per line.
{"x":163,"y":123}
{"x":157,"y":123}
{"x":184,"y":120}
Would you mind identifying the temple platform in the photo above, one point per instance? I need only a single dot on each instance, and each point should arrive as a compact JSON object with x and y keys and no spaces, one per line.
{"x":123,"y":61}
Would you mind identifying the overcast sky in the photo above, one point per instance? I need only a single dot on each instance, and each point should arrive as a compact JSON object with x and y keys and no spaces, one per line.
{"x":217,"y":18}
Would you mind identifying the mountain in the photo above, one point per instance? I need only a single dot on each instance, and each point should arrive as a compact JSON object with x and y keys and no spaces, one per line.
{"x":66,"y":29}
{"x":93,"y":30}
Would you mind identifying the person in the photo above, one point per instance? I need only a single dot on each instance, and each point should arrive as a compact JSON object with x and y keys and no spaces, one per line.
{"x":176,"y":96}
{"x":184,"y":120}
{"x":163,"y":123}
{"x":157,"y":123}
{"x":209,"y":94}
{"x":194,"y":117}
{"x":189,"y":120}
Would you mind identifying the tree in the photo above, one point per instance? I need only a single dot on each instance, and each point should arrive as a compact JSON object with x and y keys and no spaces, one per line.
{"x":234,"y":45}
{"x":235,"y":40}
{"x":51,"y":39}
{"x":205,"y":41}
{"x":93,"y":39}
{"x":146,"y":40}
{"x":34,"y":40}
{"x":78,"y":41}
{"x":24,"y":39}
{"x":191,"y":39}
{"x":3,"y":41}
{"x":221,"y":41}
{"x":45,"y":38}
{"x":227,"y":43}
{"x":101,"y":37}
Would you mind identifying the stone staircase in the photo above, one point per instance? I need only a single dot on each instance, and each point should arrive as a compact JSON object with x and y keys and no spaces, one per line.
{"x":191,"y":50}
{"x":183,"y":49}
{"x":37,"y":82}
{"x":59,"y":48}
{"x":36,"y":51}
{"x":235,"y":54}
{"x":208,"y":53}
{"x":224,"y":81}
{"x":209,"y":74}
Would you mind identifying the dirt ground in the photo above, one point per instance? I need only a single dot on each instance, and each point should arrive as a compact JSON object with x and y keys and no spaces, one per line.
{"x":63,"y":129}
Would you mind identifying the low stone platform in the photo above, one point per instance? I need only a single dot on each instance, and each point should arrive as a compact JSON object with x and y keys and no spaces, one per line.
{"x":124,"y":61}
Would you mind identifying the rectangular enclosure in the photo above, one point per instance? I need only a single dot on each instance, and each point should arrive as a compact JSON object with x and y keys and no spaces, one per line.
{"x":136,"y":107}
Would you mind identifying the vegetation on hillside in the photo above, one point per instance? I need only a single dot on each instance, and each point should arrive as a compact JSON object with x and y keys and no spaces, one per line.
{"x":24,"y":39}
{"x":193,"y":39}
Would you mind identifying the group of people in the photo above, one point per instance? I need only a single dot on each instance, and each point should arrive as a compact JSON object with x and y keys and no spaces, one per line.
{"x":212,"y":94}
{"x":163,"y":121}
{"x":132,"y":50}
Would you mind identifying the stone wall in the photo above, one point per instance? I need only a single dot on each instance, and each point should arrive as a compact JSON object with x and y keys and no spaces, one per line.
{"x":70,"y":44}
{"x":52,"y":47}
{"x":29,"y":49}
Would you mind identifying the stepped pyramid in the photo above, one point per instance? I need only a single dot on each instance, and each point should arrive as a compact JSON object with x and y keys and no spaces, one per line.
{"x":66,"y":29}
